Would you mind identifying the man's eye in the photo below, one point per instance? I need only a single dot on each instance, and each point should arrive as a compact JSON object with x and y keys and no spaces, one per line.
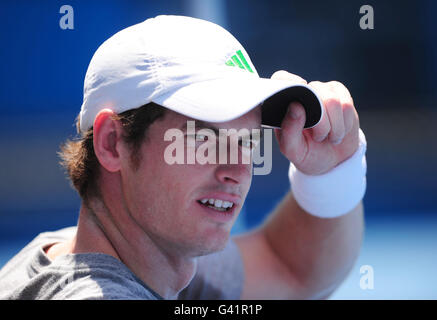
{"x":247,"y":143}
{"x":201,"y":137}
{"x":197,"y":137}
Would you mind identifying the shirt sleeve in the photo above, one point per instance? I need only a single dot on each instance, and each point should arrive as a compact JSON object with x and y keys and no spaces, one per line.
{"x":219,"y":276}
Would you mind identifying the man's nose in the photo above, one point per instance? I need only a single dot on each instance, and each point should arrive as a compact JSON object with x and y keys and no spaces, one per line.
{"x":234,"y":173}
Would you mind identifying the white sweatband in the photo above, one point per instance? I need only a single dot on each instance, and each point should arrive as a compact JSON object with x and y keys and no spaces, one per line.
{"x":336,"y":192}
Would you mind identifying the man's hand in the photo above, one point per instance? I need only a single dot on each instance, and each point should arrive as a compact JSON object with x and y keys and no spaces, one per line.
{"x":319,"y":149}
{"x":291,"y":255}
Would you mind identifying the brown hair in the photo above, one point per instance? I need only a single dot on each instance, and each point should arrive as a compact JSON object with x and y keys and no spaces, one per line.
{"x":78,"y":157}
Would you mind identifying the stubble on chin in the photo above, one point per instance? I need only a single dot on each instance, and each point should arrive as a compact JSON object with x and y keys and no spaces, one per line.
{"x":210,"y":246}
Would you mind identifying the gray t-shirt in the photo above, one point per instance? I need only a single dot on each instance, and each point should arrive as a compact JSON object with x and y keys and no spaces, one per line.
{"x":32,"y":275}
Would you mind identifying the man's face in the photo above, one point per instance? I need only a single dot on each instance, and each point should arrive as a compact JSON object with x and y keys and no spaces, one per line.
{"x":166,"y":200}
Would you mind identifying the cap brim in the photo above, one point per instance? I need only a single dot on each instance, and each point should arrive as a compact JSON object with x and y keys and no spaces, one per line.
{"x":225,"y":99}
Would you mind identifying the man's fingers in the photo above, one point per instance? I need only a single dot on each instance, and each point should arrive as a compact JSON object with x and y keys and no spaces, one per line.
{"x":335,"y":113}
{"x":284,"y":75}
{"x":350,"y":115}
{"x":323,"y":128}
{"x":321,"y":131}
{"x":339,"y":110}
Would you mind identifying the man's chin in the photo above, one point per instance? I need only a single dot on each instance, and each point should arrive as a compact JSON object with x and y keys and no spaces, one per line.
{"x":212,"y":245}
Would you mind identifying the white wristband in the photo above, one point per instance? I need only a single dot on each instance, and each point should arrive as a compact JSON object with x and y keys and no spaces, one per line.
{"x":336,"y":192}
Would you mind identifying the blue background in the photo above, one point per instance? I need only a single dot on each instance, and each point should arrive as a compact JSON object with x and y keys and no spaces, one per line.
{"x":391,"y":72}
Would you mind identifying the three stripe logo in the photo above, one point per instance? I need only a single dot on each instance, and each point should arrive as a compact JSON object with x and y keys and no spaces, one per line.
{"x":240,"y":61}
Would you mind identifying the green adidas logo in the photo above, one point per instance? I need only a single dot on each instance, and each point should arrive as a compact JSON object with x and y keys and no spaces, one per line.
{"x":239,"y":60}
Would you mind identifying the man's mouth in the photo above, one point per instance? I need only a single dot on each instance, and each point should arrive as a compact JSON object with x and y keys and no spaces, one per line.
{"x":217,"y":204}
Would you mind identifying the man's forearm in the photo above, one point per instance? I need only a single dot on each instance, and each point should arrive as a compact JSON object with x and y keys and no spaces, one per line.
{"x":318,"y":252}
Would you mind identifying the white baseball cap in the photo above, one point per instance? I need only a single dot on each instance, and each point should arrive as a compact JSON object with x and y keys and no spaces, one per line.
{"x":191,"y":66}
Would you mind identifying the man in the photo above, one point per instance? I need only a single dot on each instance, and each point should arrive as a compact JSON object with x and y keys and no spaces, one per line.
{"x":148,"y":229}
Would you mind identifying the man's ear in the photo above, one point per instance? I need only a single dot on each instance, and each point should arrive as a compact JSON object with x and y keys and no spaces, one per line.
{"x":107,"y":140}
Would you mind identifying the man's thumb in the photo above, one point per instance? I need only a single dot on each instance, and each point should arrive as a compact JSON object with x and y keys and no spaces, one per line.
{"x":292,"y":140}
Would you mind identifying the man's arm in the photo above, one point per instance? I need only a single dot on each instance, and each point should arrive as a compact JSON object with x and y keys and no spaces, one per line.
{"x":295,"y":254}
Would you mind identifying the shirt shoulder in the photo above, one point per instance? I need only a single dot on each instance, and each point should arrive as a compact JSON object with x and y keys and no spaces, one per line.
{"x":32,"y":275}
{"x":106,"y":279}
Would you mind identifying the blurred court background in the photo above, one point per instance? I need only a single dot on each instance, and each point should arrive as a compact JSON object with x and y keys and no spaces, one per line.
{"x":391,"y":72}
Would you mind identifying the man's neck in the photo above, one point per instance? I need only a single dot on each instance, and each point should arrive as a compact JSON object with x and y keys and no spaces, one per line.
{"x":164,"y":273}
